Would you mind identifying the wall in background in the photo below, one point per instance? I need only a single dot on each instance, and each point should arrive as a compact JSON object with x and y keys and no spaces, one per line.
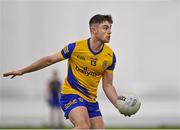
{"x":145,"y":38}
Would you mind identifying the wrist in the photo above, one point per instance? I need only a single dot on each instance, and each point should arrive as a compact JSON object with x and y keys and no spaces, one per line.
{"x":116,"y":103}
{"x":21,"y":72}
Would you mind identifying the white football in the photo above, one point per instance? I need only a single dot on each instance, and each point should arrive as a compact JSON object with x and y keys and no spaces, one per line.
{"x":128,"y":104}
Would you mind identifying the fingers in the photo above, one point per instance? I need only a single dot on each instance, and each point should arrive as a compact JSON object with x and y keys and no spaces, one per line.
{"x":125,"y":114}
{"x":7,"y":74}
{"x":13,"y":76}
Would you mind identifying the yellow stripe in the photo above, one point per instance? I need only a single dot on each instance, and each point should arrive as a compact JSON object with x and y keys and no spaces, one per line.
{"x":67,"y":89}
{"x":78,"y":93}
{"x":61,"y":56}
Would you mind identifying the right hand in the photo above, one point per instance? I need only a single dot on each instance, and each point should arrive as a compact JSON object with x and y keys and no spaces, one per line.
{"x":124,"y":114}
{"x":13,"y":74}
{"x":121,"y":112}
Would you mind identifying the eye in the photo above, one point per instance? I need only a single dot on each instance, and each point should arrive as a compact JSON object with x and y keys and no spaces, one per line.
{"x":105,"y":27}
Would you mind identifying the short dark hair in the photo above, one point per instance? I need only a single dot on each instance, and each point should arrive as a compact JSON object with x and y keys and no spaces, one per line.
{"x":100,"y":18}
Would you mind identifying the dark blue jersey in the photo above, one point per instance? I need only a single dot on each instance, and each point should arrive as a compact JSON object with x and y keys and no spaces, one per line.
{"x":55,"y":88}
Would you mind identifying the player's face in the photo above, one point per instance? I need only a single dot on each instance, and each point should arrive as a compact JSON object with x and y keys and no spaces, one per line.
{"x":103,"y":32}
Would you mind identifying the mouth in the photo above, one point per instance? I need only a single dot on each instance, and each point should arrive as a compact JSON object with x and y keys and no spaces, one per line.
{"x":108,"y":37}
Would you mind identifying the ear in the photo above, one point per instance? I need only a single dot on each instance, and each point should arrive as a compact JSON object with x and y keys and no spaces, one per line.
{"x":93,"y":30}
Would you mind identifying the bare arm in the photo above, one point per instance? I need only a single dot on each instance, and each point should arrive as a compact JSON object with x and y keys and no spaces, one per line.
{"x":109,"y":89}
{"x":37,"y":65}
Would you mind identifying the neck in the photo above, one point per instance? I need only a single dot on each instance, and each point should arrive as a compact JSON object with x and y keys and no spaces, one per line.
{"x":95,"y":44}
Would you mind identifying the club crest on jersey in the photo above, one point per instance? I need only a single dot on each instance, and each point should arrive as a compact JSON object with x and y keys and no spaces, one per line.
{"x":104,"y":64}
{"x":66,"y":50}
{"x":93,"y":61}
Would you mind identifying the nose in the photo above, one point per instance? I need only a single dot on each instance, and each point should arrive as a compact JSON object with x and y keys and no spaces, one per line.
{"x":109,"y":31}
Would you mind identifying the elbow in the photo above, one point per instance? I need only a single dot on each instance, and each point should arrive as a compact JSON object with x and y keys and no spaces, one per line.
{"x":47,"y":60}
{"x":104,"y":86}
{"x":107,"y":85}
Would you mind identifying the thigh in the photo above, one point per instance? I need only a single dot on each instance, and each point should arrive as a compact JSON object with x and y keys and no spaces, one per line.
{"x":69,"y":102}
{"x":95,"y":115}
{"x":75,"y":109}
{"x":79,"y":117}
{"x":97,"y":122}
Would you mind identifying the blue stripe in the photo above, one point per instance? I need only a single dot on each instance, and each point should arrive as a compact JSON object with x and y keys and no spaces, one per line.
{"x":113,"y":63}
{"x":64,"y":55}
{"x":70,"y":48}
{"x":74,"y":83}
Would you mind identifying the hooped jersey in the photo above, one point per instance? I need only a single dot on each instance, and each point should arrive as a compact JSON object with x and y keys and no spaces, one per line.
{"x":85,"y":68}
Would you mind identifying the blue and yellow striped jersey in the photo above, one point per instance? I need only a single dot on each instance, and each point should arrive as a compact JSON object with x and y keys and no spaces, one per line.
{"x":85,"y":68}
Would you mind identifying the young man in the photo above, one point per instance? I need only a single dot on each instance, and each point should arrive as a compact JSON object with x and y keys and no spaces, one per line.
{"x":89,"y":60}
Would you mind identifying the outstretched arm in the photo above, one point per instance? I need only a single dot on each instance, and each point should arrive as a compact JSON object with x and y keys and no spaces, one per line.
{"x":37,"y":65}
{"x":109,"y":89}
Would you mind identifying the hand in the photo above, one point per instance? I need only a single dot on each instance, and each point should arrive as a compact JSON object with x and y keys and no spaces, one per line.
{"x":13,"y":74}
{"x":125,"y":114}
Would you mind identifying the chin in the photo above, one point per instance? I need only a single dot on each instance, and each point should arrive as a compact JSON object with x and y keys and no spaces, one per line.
{"x":106,"y":41}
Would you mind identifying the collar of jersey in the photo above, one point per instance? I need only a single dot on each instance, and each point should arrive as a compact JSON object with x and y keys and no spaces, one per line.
{"x":94,"y":52}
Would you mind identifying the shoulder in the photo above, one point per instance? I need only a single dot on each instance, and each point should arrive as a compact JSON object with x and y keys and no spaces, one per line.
{"x":106,"y":46}
{"x":108,"y":49}
{"x":110,"y":53}
{"x":81,"y":42}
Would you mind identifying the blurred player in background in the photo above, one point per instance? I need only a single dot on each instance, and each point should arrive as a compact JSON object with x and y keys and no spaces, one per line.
{"x":89,"y":60}
{"x":54,"y":88}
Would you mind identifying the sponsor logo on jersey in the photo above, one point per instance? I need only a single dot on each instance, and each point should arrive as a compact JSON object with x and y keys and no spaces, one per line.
{"x":70,"y":103}
{"x":80,"y":57}
{"x":87,"y":72}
